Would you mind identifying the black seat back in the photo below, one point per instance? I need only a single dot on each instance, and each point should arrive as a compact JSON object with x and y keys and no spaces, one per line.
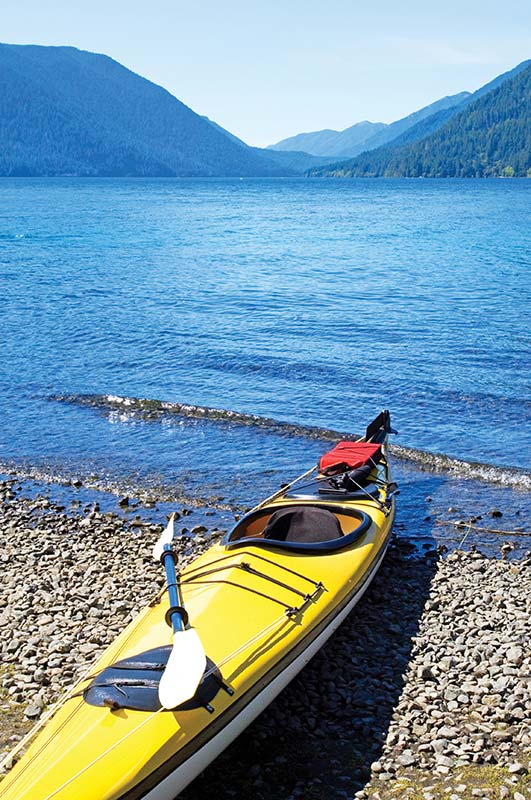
{"x":302,"y":524}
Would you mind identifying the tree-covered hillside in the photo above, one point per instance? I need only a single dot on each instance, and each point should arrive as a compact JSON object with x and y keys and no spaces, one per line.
{"x":69,"y":112}
{"x":491,"y":137}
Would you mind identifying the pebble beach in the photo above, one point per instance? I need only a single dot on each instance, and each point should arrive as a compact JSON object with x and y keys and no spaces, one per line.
{"x":423,"y":693}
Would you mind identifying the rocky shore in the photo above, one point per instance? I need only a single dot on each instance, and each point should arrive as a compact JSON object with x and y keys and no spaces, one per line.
{"x":424,"y":693}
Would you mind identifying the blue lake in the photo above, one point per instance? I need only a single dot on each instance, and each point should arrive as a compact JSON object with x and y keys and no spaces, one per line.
{"x":316,"y":302}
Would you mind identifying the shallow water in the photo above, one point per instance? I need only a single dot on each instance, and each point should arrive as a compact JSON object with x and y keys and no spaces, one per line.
{"x":309,"y":302}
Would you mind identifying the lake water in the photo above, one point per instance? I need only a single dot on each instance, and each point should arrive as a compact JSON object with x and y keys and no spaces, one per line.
{"x":313,"y":302}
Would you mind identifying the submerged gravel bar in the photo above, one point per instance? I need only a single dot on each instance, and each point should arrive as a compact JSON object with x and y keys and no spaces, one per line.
{"x":424,"y":693}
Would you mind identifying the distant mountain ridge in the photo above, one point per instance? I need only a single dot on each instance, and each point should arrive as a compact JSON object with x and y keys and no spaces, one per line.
{"x":363,"y":135}
{"x":329,"y":142}
{"x":489,"y":135}
{"x":70,"y":112}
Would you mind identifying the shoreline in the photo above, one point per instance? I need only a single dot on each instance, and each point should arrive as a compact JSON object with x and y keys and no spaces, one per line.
{"x":422,"y":693}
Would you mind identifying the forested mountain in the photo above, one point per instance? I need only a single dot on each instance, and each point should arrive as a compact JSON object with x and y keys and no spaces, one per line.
{"x":69,"y":112}
{"x":489,"y":136}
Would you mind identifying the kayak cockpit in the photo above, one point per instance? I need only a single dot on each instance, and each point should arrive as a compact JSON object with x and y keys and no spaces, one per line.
{"x":318,"y":528}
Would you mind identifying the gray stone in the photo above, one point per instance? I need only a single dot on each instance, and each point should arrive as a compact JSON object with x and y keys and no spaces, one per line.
{"x":446,"y":732}
{"x":515,"y":655}
{"x":407,"y":759}
{"x":444,"y":761}
{"x":517,"y":769}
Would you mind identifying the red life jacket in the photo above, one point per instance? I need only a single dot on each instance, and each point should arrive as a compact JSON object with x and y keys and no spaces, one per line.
{"x":350,"y":455}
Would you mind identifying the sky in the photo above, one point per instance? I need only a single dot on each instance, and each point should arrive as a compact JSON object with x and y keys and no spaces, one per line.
{"x":269,"y":70}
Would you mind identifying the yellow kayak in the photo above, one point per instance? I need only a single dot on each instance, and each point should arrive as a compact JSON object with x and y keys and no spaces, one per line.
{"x":254,"y":609}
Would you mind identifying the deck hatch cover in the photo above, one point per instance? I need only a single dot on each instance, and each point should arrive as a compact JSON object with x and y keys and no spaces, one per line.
{"x":133,"y":683}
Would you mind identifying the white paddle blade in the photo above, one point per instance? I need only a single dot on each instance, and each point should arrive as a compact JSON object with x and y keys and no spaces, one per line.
{"x":184,"y":670}
{"x":166,"y":537}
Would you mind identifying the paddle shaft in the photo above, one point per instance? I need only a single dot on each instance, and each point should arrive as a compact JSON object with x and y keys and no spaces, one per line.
{"x":174,"y":594}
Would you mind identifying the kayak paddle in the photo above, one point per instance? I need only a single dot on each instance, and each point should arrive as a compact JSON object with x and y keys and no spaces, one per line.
{"x":187,"y":662}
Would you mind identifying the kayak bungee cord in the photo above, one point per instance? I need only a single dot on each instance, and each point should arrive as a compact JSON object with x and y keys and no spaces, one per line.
{"x":246,"y":567}
{"x":190,"y":572}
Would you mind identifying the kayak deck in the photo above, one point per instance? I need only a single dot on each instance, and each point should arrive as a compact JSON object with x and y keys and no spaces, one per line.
{"x":260,"y":607}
